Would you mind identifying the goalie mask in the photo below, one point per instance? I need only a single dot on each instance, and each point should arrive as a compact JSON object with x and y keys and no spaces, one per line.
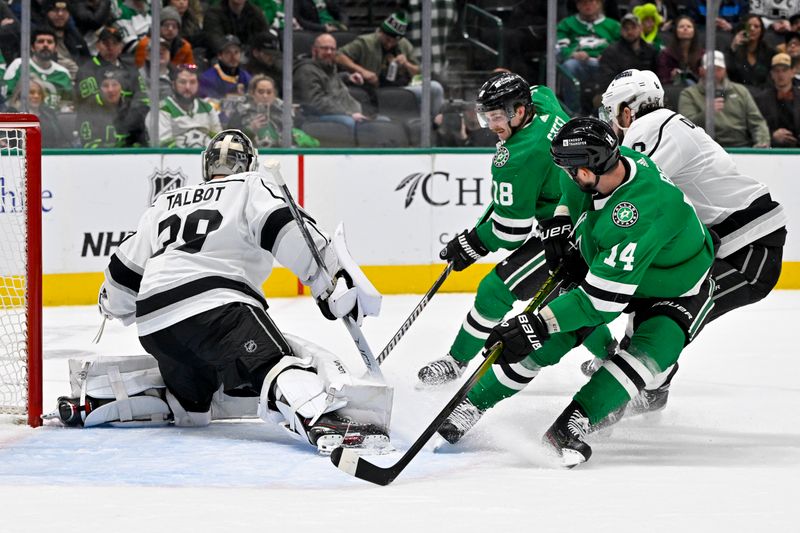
{"x":504,"y":92}
{"x":585,"y":143}
{"x":229,"y":152}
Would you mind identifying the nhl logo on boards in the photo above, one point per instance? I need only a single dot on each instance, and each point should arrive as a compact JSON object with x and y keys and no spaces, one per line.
{"x":250,"y":346}
{"x":165,"y":180}
{"x":625,"y":215}
{"x":501,"y":156}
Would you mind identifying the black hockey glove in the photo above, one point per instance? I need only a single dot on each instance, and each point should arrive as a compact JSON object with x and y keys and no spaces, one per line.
{"x":520,"y":336}
{"x":555,"y":235}
{"x":463,"y":250}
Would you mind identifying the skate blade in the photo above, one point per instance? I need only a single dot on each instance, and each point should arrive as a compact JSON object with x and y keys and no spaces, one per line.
{"x":571,"y":458}
{"x":370,"y":445}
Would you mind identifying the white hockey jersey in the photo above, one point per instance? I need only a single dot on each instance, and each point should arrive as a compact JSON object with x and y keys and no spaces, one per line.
{"x":737,"y":207}
{"x":198,"y":248}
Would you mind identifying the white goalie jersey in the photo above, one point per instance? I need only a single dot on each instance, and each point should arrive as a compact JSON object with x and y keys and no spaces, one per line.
{"x":198,"y":248}
{"x":736,"y":206}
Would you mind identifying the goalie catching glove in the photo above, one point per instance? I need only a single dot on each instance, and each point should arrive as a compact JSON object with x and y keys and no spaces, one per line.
{"x":463,"y":250}
{"x":521,"y":335}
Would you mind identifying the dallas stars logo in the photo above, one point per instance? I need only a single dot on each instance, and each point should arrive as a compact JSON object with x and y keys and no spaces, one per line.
{"x":501,"y":156}
{"x":625,"y":215}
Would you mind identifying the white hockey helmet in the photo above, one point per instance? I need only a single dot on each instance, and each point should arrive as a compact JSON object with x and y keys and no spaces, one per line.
{"x":634,"y":89}
{"x":229,"y":152}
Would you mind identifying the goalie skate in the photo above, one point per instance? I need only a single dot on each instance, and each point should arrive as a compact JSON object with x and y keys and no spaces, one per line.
{"x":332,"y":431}
{"x":440,"y":371}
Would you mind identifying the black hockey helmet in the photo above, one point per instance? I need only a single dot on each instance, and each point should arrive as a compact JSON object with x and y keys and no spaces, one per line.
{"x":229,"y":152}
{"x":585,"y":142}
{"x":505,"y":91}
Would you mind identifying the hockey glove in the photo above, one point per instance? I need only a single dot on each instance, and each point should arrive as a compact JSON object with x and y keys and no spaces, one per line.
{"x":342,"y":301}
{"x":463,"y":250}
{"x":555,"y":235}
{"x":520,"y":336}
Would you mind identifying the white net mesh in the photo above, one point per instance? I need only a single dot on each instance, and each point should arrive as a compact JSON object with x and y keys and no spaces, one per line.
{"x":13,"y":279}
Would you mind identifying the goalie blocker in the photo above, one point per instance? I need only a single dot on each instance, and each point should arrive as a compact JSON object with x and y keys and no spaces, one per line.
{"x":311,"y":394}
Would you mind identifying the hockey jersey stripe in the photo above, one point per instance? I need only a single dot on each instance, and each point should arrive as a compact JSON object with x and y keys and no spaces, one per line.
{"x":660,"y":135}
{"x":512,"y":222}
{"x":194,"y":288}
{"x":751,"y":231}
{"x":123,"y":275}
{"x":518,"y":373}
{"x":608,"y":285}
{"x":512,"y":230}
{"x":631,"y":381}
{"x":509,"y":381}
{"x":273,"y":225}
{"x":481,"y":322}
{"x":510,"y":237}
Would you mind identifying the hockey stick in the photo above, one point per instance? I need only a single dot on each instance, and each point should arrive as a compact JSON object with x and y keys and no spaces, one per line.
{"x":347,"y":460}
{"x":425,"y":299}
{"x":274,"y":167}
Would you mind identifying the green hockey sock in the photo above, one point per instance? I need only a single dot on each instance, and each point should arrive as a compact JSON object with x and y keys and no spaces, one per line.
{"x":598,"y":340}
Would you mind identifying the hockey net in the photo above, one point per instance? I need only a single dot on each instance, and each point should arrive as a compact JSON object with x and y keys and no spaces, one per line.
{"x":20,"y":269}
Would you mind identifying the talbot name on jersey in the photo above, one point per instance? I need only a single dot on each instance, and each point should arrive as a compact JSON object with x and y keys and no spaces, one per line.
{"x":625,"y":215}
{"x":194,"y":196}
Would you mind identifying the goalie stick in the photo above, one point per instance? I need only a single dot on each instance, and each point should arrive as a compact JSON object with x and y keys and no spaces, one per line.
{"x":350,"y":462}
{"x":274,"y":167}
{"x":425,"y":299}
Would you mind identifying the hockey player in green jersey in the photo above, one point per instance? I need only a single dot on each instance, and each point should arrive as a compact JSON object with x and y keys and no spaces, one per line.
{"x":648,"y":255}
{"x":525,"y":186}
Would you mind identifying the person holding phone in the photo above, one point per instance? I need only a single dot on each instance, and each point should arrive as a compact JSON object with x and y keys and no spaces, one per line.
{"x":737,"y":120}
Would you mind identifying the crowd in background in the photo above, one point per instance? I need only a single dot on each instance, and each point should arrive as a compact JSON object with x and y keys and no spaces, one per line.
{"x":221,"y":65}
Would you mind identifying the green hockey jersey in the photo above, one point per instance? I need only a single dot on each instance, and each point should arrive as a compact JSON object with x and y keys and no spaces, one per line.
{"x":525,"y":181}
{"x":574,"y":34}
{"x":644,"y":240}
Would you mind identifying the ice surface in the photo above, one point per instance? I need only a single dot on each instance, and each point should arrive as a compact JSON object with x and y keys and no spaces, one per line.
{"x":724,"y":455}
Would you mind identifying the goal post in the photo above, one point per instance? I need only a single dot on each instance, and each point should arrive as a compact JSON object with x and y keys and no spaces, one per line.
{"x":21,"y":267}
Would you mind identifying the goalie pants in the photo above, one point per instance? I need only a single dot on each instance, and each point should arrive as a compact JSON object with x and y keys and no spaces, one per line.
{"x":234,"y":345}
{"x":518,"y":277}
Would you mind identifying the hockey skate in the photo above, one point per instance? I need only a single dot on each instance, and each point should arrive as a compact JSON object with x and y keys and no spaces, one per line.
{"x":332,"y":430}
{"x":440,"y":371}
{"x":649,"y":401}
{"x":461,"y":420}
{"x":566,"y":435}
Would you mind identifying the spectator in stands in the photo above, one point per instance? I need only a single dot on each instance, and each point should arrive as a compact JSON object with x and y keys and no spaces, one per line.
{"x":191,"y":15}
{"x":71,"y":48}
{"x":570,"y":7}
{"x":179,"y":48}
{"x":737,"y":120}
{"x":792,"y":44}
{"x":265,"y":56}
{"x":134,"y":22}
{"x":582,"y":38}
{"x":10,"y":30}
{"x":651,"y":20}
{"x":91,"y":15}
{"x":794,"y":22}
{"x":320,"y":15}
{"x":53,"y":136}
{"x":749,"y":56}
{"x":383,"y":58}
{"x":730,"y":14}
{"x":678,"y":62}
{"x":320,"y":88}
{"x":631,"y":51}
{"x":109,"y":124}
{"x":443,"y":13}
{"x":165,"y":69}
{"x":184,"y":120}
{"x":780,"y":104}
{"x":94,"y":72}
{"x":260,"y":116}
{"x":668,"y":10}
{"x":44,"y":67}
{"x":232,"y":17}
{"x":226,"y":76}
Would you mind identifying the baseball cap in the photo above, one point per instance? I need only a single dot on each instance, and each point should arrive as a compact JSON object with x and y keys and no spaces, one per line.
{"x":395,"y":24}
{"x":110,"y":32}
{"x":230,"y":40}
{"x":48,"y":5}
{"x":783,"y":60}
{"x":719,"y":59}
{"x":267,"y":40}
{"x":630,"y":17}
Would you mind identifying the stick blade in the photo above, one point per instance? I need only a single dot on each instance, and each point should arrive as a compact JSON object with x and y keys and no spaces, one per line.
{"x":273,"y":166}
{"x":347,"y":460}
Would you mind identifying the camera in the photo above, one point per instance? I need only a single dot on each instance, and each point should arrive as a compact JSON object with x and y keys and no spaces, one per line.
{"x":720,"y":93}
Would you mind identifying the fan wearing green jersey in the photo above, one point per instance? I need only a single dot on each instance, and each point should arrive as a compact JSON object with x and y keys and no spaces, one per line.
{"x":525,"y":188}
{"x":648,"y":255}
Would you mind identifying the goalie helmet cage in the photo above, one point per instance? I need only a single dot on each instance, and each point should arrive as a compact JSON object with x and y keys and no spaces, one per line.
{"x":20,"y":267}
